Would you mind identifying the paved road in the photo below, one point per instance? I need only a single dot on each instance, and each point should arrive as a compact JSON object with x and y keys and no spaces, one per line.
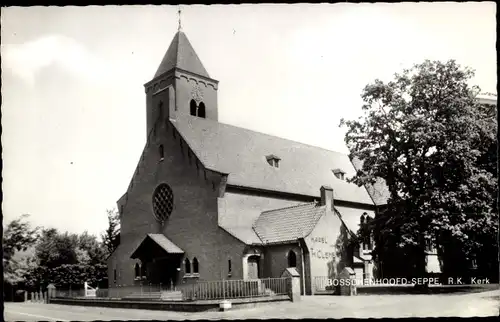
{"x":362,"y":306}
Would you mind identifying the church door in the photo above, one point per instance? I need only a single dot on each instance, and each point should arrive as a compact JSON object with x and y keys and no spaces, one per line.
{"x":253,"y":267}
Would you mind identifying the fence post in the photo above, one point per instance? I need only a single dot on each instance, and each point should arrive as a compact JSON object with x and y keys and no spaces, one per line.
{"x":25,"y":296}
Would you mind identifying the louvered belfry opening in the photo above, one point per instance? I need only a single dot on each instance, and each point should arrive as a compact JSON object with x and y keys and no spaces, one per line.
{"x":192,"y":108}
{"x":201,"y":110}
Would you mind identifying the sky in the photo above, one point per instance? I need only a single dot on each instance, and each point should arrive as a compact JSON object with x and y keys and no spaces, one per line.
{"x":73,"y":109}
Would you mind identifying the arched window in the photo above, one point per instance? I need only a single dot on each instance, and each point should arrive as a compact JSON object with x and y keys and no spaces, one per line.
{"x":292,"y":259}
{"x":143,"y":269}
{"x":161,"y":152}
{"x":195,"y":266}
{"x":114,"y":275}
{"x":137,"y":270}
{"x":201,"y":110}
{"x":187,"y":266}
{"x":229,"y":268}
{"x":192,"y":108}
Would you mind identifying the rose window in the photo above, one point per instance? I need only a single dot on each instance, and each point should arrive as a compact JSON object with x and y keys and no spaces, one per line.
{"x":163,"y":202}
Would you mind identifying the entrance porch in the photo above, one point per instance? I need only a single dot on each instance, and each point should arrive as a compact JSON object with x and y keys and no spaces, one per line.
{"x":161,"y":261}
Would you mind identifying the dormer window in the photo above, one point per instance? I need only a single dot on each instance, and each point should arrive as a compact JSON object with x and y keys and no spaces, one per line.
{"x":273,"y":160}
{"x":339,"y":174}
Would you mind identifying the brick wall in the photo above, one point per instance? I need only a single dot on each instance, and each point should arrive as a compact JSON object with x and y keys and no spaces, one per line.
{"x":193,"y":224}
{"x":276,"y":260}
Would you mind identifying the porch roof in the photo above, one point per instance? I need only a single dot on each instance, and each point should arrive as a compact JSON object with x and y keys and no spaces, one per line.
{"x":159,"y":239}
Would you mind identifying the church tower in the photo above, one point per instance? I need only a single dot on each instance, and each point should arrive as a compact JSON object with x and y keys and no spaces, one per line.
{"x":181,"y":85}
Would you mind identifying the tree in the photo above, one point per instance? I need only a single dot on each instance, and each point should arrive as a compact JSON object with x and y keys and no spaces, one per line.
{"x":111,"y":237}
{"x":90,"y":250}
{"x":428,"y":137}
{"x":67,"y":260}
{"x":55,"y":249}
{"x":18,"y":236}
{"x":17,"y":268}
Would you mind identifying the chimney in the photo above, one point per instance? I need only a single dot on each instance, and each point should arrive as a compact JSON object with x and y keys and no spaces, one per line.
{"x":327,"y":197}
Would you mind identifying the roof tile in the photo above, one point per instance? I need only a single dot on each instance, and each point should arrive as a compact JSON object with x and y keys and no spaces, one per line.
{"x":181,"y":54}
{"x":166,"y":244}
{"x":288,"y":224}
{"x":245,"y":234}
{"x":241,"y":153}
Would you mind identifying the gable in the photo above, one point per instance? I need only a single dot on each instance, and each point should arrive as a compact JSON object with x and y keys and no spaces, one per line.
{"x":325,"y":244}
{"x":193,"y":186}
{"x":241,"y":154}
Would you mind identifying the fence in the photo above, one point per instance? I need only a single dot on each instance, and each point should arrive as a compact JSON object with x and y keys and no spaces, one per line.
{"x":70,"y":293}
{"x":321,"y":284}
{"x":41,"y":297}
{"x":213,"y":290}
{"x":200,"y":290}
{"x":137,"y":291}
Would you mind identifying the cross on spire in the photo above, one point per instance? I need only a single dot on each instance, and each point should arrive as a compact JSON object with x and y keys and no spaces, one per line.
{"x":179,"y":13}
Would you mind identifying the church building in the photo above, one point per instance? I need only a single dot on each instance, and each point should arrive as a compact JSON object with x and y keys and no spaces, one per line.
{"x":211,"y":201}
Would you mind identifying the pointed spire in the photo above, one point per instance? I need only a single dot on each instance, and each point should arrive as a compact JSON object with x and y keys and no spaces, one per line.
{"x":181,"y":54}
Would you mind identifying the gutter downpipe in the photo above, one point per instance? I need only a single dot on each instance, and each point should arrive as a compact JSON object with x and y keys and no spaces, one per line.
{"x":302,"y":268}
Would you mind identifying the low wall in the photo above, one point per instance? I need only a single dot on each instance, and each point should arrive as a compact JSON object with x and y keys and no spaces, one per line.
{"x":197,"y":306}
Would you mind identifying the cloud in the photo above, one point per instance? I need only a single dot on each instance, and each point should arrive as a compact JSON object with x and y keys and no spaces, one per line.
{"x":28,"y":59}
